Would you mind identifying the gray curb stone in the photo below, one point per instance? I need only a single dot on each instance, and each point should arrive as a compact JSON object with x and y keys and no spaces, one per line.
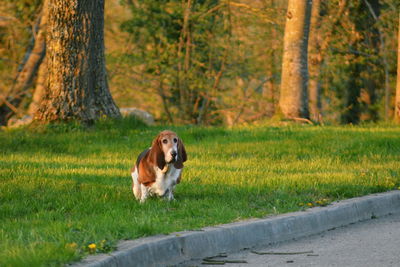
{"x":183,"y":246}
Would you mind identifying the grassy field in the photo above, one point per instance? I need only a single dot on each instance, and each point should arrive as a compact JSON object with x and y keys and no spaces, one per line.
{"x":66,"y":191}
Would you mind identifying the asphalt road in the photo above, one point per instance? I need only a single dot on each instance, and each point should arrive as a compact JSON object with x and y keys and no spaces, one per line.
{"x":375,"y":242}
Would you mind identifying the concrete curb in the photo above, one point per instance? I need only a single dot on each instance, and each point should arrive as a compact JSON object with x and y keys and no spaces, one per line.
{"x":182,"y":246}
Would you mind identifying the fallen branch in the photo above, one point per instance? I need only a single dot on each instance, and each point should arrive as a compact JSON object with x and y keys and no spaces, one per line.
{"x":221,"y":262}
{"x":213,"y":261}
{"x":282,"y":253}
{"x":8,"y":104}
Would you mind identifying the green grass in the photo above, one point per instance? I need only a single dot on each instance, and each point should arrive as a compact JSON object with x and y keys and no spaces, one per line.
{"x":65,"y":187}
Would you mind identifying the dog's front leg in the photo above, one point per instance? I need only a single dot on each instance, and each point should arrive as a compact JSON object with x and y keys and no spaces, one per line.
{"x":169,"y":195}
{"x":136,"y":188}
{"x":145,"y":193}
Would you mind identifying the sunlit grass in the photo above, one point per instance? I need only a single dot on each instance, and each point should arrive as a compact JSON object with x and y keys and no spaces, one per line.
{"x":65,"y":191}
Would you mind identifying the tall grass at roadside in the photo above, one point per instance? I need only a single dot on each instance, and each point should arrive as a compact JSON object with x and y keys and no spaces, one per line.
{"x":65,"y":187}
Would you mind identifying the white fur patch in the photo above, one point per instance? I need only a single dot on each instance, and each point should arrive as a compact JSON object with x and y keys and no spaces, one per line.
{"x":164,"y":185}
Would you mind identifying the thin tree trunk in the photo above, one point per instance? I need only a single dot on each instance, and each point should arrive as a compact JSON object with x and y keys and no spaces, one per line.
{"x":293,"y":102}
{"x":77,"y":85}
{"x":372,"y":83}
{"x":9,"y":105}
{"x":268,"y":89}
{"x":352,"y":108}
{"x":314,"y":66}
{"x":182,"y":72}
{"x":375,"y":13}
{"x":40,"y":89}
{"x":316,"y":61}
{"x":360,"y":96}
{"x":397,"y":100}
{"x":164,"y":98}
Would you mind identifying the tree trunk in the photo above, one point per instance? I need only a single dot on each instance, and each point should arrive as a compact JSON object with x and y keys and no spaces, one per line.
{"x":40,"y":89}
{"x":364,"y":71}
{"x":269,"y":88}
{"x":352,"y":107}
{"x":315,"y":59}
{"x":397,"y":100}
{"x":182,"y":74}
{"x":293,"y":102}
{"x":77,"y":85}
{"x":9,"y":105}
{"x":374,"y":78}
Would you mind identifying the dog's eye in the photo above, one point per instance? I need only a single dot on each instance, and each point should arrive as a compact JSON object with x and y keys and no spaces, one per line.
{"x":165,"y":141}
{"x":175,"y":140}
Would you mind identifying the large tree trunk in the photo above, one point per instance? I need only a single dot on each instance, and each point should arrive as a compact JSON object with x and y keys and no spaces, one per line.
{"x":293,"y":102}
{"x":397,"y":100}
{"x":33,"y":58}
{"x":315,"y":59}
{"x":77,"y":83}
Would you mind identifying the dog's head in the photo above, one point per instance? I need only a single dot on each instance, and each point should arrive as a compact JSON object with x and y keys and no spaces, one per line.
{"x":168,"y":148}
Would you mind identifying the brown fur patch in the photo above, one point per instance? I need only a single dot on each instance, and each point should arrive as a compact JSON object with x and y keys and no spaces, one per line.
{"x":147,"y":175}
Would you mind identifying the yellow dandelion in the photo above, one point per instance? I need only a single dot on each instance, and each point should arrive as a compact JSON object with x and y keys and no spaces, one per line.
{"x":92,"y":247}
{"x":309,"y":204}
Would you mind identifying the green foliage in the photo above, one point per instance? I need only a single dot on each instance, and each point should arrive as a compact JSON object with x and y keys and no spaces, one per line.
{"x":25,"y":10}
{"x":359,"y":51}
{"x":65,"y":191}
{"x":182,"y":49}
{"x":224,"y":67}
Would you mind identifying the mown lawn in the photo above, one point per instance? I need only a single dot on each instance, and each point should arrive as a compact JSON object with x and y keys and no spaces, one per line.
{"x":63,"y":188}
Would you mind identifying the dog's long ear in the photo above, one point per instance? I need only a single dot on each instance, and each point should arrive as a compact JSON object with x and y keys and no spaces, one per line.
{"x":156,"y":156}
{"x":182,"y":157}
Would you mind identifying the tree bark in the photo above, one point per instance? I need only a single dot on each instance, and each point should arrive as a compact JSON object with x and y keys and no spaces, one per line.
{"x":397,"y":100}
{"x":293,"y":102}
{"x":77,"y":87}
{"x":315,"y":59}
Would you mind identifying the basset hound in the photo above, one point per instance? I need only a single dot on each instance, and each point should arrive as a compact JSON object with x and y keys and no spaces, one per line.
{"x":158,"y":169}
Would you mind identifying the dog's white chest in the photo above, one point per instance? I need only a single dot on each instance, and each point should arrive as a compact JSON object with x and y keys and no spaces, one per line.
{"x":165,"y":181}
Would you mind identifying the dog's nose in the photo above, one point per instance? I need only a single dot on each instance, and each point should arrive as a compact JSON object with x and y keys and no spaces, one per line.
{"x":173,"y":153}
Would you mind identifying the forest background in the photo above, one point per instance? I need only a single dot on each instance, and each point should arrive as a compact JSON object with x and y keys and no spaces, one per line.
{"x":66,"y":189}
{"x":218,"y":62}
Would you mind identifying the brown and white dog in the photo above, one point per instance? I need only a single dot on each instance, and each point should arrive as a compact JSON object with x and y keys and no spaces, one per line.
{"x":158,"y":169}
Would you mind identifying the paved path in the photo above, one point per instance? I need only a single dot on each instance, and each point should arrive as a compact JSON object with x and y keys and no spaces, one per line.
{"x":374,"y":242}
